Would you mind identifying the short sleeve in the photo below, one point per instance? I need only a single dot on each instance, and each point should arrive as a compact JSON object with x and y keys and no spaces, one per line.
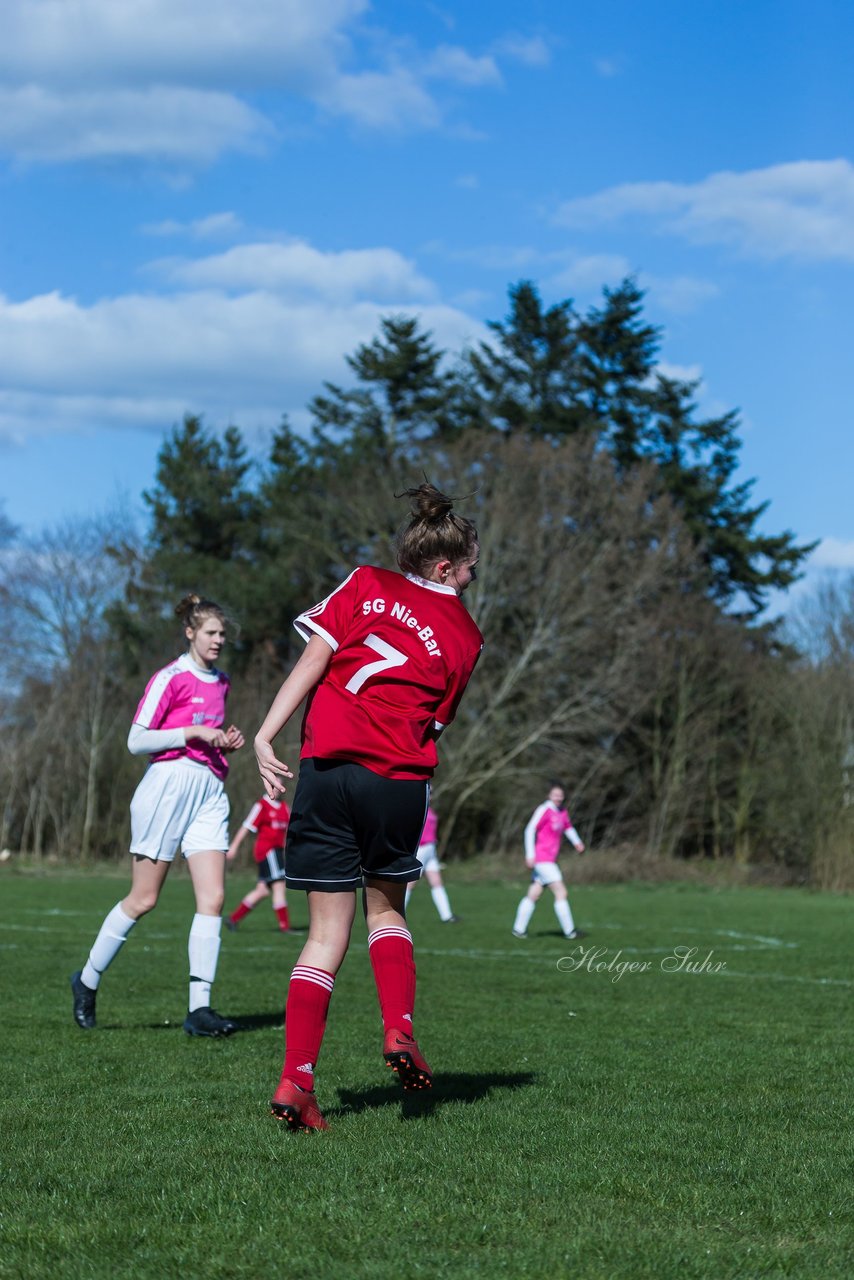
{"x":251,"y":821}
{"x":331,"y":618}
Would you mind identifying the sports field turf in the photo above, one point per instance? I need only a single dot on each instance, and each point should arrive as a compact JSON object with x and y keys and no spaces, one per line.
{"x":663,"y":1124}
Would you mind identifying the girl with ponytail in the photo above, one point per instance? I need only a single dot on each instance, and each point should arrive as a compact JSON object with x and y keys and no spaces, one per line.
{"x":387,"y":659}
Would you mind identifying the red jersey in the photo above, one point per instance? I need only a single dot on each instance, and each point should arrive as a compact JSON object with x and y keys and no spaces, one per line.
{"x":269,"y":820}
{"x":404,"y":649}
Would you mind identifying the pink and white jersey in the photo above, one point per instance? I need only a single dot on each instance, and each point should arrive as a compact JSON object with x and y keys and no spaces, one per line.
{"x":182,"y":695}
{"x":431,"y":826}
{"x":543,"y":833}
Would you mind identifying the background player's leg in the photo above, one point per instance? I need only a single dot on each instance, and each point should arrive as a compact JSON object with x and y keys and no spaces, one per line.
{"x":207,"y":872}
{"x":146,"y":882}
{"x":280,"y":905}
{"x":562,"y":911}
{"x":525,"y":910}
{"x":251,"y":900}
{"x":440,"y":897}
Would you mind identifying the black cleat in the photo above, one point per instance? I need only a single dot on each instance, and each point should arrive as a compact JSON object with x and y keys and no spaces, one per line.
{"x":452,"y":920}
{"x":207,"y":1022}
{"x":230,"y":925}
{"x":84,"y":1002}
{"x":576,"y":933}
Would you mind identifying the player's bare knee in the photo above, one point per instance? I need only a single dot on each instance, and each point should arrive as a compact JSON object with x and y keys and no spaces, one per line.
{"x":140,"y":902}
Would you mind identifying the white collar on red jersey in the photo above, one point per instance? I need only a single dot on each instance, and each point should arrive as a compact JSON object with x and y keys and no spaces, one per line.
{"x":431,"y":586}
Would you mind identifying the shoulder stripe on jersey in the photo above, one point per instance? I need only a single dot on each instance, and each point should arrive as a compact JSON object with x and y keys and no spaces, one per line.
{"x":251,"y":820}
{"x":316,"y":608}
{"x":159,"y":686}
{"x":305,"y":626}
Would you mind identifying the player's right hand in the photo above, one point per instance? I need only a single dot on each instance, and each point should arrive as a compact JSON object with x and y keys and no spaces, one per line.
{"x":204,"y":733}
{"x":271,"y":770}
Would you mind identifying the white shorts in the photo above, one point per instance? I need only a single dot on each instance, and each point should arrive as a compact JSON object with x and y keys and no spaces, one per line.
{"x":426,"y":855}
{"x":546,"y":873}
{"x":178,"y":802}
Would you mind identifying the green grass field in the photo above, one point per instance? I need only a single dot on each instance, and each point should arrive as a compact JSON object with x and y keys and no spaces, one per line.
{"x":659,"y":1124}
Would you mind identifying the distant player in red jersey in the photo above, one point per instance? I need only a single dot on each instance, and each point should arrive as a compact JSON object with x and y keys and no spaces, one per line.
{"x":387,"y":661}
{"x":544,"y":833}
{"x":426,"y":855}
{"x":180,"y":801}
{"x":268,"y":822}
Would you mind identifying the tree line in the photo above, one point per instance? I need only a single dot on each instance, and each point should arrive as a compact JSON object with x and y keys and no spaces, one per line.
{"x":623,"y":578}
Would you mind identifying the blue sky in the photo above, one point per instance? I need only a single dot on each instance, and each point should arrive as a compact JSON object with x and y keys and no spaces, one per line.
{"x":205,"y":206}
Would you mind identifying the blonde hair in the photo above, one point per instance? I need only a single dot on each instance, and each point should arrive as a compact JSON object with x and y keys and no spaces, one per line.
{"x":434,"y":533}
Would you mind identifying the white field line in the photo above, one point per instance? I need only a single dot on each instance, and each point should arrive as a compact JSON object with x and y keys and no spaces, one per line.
{"x":719,"y":933}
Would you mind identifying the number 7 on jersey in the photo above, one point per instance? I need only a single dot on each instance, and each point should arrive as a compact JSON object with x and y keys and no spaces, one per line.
{"x":391,"y":657}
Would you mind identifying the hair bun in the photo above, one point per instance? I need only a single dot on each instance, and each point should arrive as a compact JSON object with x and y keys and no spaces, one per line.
{"x":187,"y":605}
{"x":428,"y":503}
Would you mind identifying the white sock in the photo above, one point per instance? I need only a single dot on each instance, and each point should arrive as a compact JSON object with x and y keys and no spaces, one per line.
{"x":443,"y":906}
{"x":564,"y":916}
{"x":203,"y":951}
{"x":106,"y":946}
{"x":409,"y":889}
{"x":523,"y":914}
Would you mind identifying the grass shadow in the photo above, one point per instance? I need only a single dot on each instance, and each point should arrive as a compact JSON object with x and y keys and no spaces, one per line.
{"x":245,"y":1022}
{"x":453,"y":1086}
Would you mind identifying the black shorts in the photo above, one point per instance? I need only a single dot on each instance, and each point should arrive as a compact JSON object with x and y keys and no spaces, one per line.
{"x":348,"y":822}
{"x":272,"y":867}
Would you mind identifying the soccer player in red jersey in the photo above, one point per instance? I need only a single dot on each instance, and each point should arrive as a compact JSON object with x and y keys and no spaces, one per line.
{"x":387,"y":660}
{"x":179,"y":802}
{"x":268,"y":822}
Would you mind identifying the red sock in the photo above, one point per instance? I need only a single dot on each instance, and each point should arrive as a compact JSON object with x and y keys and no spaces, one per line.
{"x":282,"y":913}
{"x":393,"y":964}
{"x":305,"y":1022}
{"x":238,"y":914}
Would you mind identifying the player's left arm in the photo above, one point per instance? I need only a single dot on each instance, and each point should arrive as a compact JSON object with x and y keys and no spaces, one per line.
{"x":574,"y":838}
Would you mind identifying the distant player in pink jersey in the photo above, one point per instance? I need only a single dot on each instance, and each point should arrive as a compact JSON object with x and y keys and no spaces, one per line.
{"x":387,"y":661}
{"x":426,"y":855}
{"x":268,"y":822}
{"x":180,"y":801}
{"x":544,"y":833}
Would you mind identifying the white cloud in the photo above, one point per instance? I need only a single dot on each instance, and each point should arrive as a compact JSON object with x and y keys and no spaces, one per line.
{"x":194,"y":42}
{"x":393,"y":100}
{"x":833,"y":553}
{"x":450,"y":62}
{"x":467,"y":181}
{"x":298,"y":268}
{"x":680,"y":372}
{"x":214,"y":227}
{"x":170,"y":82}
{"x":802,"y":210}
{"x":679,"y":294}
{"x":591,"y":272}
{"x":162,"y":124}
{"x":248,"y":355}
{"x":608,"y":67}
{"x":531,"y":51}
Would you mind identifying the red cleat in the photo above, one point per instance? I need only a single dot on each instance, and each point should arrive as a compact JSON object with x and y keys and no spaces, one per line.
{"x":404,"y":1057}
{"x":296,"y":1107}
